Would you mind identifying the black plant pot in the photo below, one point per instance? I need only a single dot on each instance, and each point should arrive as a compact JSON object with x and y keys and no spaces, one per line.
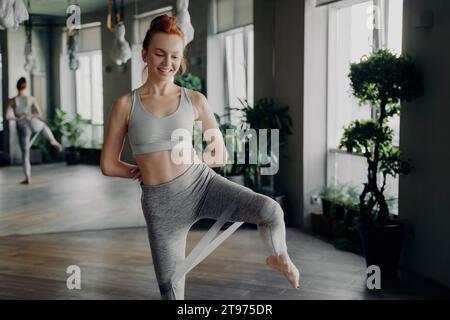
{"x":326,"y":205}
{"x":72,"y":157}
{"x":56,"y":156}
{"x":382,"y":246}
{"x":339,"y":212}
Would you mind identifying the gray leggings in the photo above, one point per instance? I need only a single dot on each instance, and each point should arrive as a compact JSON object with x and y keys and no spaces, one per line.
{"x":171,"y":208}
{"x":25,"y":128}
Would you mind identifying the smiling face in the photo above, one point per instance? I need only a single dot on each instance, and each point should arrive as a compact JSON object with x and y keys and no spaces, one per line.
{"x":163,"y":55}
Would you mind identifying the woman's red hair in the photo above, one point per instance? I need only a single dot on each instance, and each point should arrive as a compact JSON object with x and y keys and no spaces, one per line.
{"x":164,"y":24}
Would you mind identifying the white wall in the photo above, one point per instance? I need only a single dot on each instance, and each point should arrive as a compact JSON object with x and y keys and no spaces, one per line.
{"x":424,"y":193}
{"x":315,"y":104}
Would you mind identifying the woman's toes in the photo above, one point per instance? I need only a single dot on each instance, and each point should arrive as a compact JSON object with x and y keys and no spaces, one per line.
{"x":287,"y":268}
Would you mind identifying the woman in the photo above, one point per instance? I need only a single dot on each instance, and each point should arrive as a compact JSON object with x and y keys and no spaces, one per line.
{"x":176,"y":194}
{"x":21,"y":109}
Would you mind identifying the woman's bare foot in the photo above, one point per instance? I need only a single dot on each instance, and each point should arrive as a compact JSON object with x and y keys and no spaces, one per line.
{"x":284,"y":264}
{"x":26,"y":181}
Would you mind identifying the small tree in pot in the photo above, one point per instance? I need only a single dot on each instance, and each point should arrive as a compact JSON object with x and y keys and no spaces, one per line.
{"x":382,"y":80}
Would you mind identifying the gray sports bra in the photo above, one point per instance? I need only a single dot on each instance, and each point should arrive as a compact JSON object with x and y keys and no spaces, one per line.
{"x":148,"y":133}
{"x":22,"y":106}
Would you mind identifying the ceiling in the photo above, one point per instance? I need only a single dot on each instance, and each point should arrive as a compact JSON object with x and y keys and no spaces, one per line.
{"x":58,"y":7}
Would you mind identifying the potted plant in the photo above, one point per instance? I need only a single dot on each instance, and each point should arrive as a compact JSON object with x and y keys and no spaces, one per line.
{"x":72,"y":131}
{"x":332,"y":198}
{"x":382,"y":80}
{"x":37,"y":149}
{"x":232,"y":171}
{"x":346,"y":236}
{"x":56,"y":126}
{"x":189,"y":81}
{"x":262,"y":115}
{"x":338,"y":200}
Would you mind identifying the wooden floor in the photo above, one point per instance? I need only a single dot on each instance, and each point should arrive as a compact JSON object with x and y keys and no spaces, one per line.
{"x":66,"y":198}
{"x":116,"y":263}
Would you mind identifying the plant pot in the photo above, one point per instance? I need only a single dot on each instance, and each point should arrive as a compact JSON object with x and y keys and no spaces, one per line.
{"x":72,"y":157}
{"x":382,"y":246}
{"x":239,"y":179}
{"x":326,"y":206}
{"x":339,"y":212}
{"x":35,"y":156}
{"x":57,"y":156}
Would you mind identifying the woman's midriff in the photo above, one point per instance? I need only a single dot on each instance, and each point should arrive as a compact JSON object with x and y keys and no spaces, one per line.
{"x":157,"y":167}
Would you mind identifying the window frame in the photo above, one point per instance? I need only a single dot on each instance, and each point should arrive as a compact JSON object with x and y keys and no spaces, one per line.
{"x":249,"y":69}
{"x":331,"y":126}
{"x":90,"y":54}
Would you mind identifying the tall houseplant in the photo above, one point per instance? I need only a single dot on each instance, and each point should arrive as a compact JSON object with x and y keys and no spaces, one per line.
{"x":383,"y":80}
{"x":262,"y":115}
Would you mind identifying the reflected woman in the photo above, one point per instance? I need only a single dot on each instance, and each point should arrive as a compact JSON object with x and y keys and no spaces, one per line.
{"x":20,"y":108}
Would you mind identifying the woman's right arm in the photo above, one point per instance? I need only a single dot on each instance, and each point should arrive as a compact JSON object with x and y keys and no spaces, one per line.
{"x":110,"y":162}
{"x":9,"y":114}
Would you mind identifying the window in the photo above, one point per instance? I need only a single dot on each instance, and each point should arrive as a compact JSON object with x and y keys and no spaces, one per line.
{"x":239,"y":67}
{"x":82,"y":89}
{"x":355,"y":29}
{"x":89,"y":86}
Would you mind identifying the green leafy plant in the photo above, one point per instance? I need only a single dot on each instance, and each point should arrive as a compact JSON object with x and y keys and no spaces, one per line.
{"x":343,"y":195}
{"x":71,"y":129}
{"x":382,"y":80}
{"x":39,"y":143}
{"x":333,"y":193}
{"x":233,"y":168}
{"x":57,"y":124}
{"x":189,"y":81}
{"x":264,"y":114}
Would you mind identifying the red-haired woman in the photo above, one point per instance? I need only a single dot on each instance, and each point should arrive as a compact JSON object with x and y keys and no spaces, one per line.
{"x":176,"y":194}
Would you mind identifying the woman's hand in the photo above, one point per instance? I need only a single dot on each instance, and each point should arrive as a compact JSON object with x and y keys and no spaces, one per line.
{"x":136,"y":174}
{"x":21,"y":117}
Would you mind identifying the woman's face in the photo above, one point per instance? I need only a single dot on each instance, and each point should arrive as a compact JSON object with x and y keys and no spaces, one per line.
{"x":163,"y":55}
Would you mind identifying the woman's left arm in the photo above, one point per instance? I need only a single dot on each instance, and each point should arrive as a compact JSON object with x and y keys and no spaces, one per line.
{"x":36,"y":107}
{"x":216,"y":154}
